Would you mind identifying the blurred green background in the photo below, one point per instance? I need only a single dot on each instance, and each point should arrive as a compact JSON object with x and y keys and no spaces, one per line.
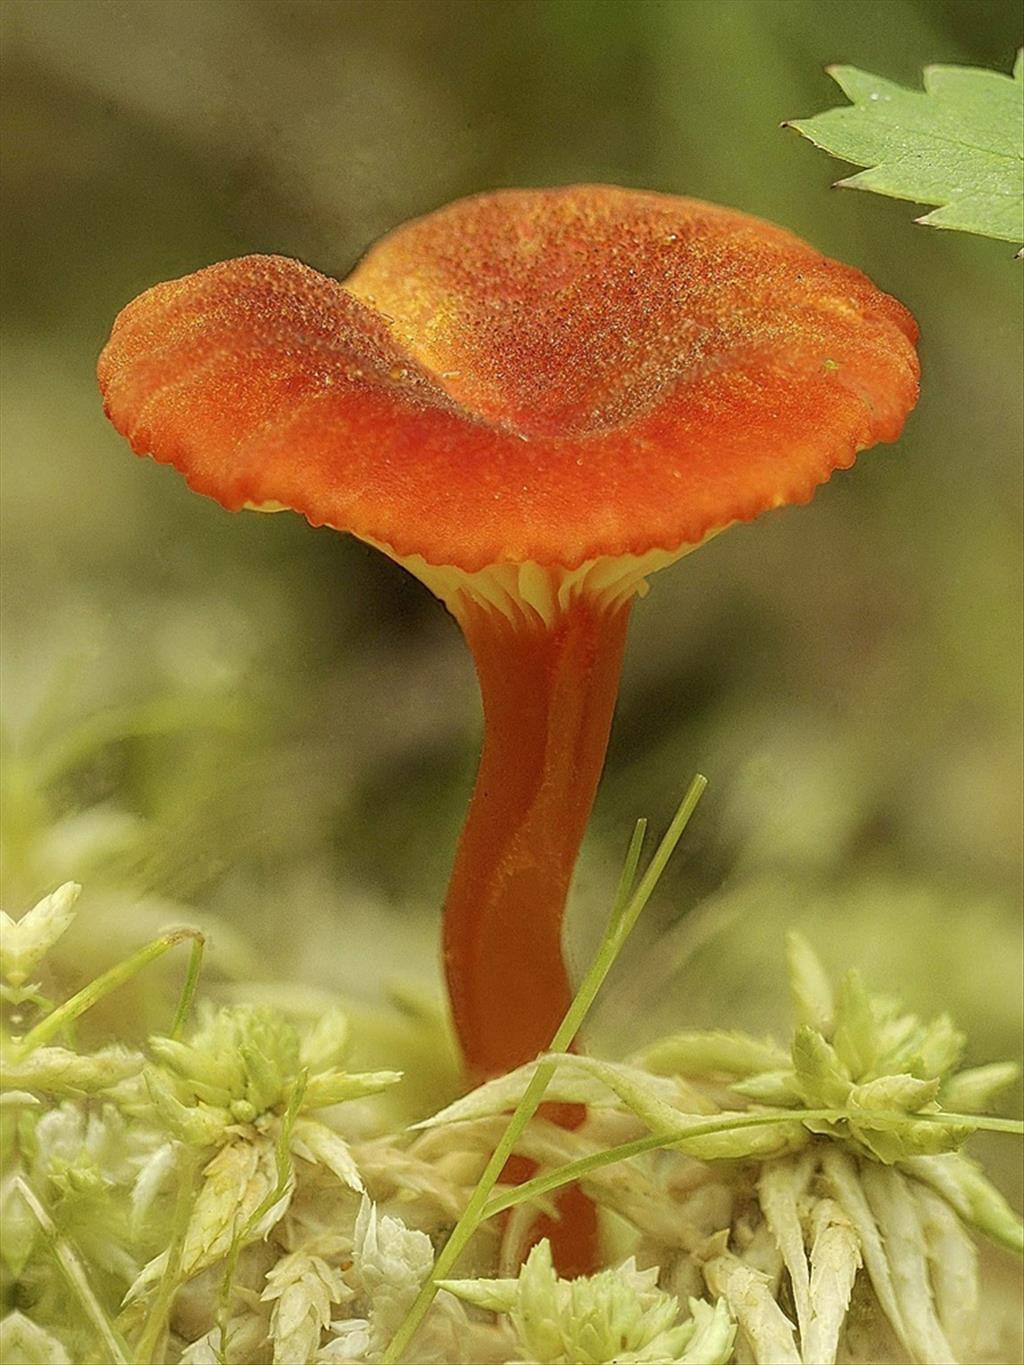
{"x":273,"y":730}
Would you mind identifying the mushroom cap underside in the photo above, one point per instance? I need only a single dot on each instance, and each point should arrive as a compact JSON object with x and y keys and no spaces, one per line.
{"x":531,"y":375}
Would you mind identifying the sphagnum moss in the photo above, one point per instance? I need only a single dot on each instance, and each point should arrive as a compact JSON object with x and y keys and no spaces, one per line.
{"x":208,"y":1197}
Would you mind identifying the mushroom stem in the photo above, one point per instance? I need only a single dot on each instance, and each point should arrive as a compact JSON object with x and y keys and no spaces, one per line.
{"x":548,"y":693}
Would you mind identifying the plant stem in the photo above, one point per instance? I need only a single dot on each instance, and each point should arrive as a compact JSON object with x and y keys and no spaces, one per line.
{"x":90,"y":995}
{"x":188,"y":990}
{"x":564,"y":1175}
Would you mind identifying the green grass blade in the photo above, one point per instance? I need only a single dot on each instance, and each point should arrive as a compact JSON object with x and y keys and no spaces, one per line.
{"x":109,"y":981}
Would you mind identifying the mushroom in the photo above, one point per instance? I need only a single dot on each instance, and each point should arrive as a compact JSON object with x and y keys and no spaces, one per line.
{"x":531,"y":399}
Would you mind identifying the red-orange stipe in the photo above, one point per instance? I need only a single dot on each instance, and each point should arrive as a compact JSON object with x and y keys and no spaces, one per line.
{"x":531,"y":399}
{"x":546,"y":724}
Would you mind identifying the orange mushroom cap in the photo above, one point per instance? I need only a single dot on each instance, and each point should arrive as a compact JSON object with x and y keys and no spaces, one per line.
{"x":550,"y":375}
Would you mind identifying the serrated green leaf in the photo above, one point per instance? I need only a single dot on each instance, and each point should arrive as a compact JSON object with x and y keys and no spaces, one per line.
{"x":958,"y":144}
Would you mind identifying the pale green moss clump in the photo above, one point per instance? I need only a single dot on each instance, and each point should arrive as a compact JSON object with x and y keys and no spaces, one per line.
{"x":232,"y":1192}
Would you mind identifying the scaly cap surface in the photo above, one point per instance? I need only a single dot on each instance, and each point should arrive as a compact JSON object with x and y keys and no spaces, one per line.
{"x":549,"y":376}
